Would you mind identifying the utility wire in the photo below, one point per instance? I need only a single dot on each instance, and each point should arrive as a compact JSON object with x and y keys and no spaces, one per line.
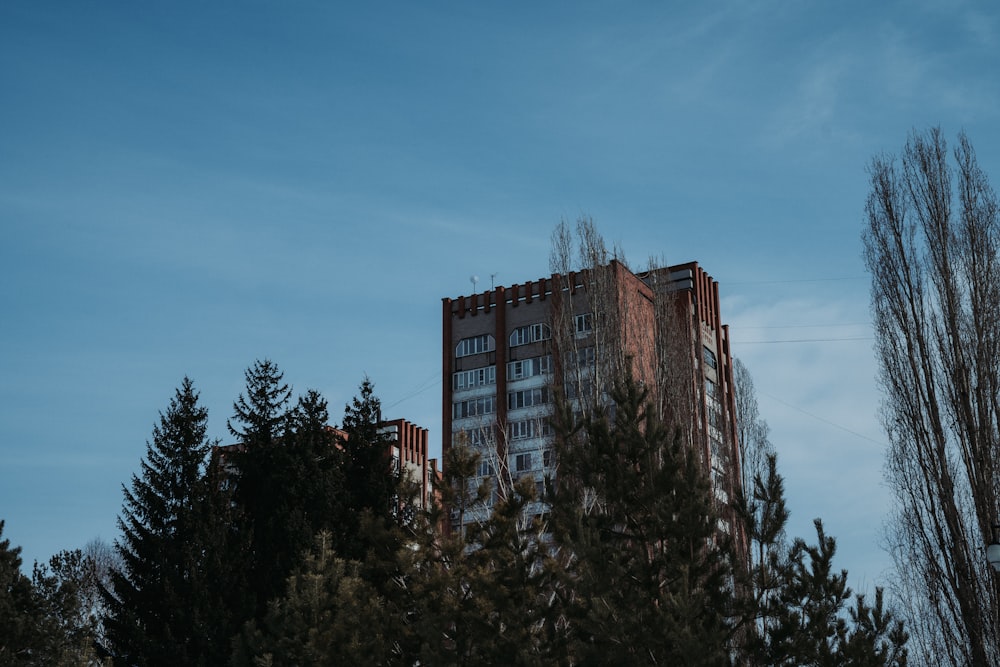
{"x":792,"y":280}
{"x":802,"y":326}
{"x":429,"y":382}
{"x":822,"y":419}
{"x":800,"y":340}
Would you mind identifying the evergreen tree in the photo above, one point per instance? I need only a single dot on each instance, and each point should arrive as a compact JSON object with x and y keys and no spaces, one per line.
{"x":22,"y":636}
{"x":811,"y":623}
{"x":644,"y":573}
{"x":794,"y":608}
{"x":761,"y":507}
{"x":478,"y":597}
{"x":162,"y":611}
{"x":440,"y":598}
{"x":261,"y":422}
{"x":506,"y":580}
{"x":260,"y":415}
{"x":290,"y":478}
{"x":314,"y":474}
{"x":372,"y":482}
{"x":64,"y":586}
{"x":374,"y":485}
{"x":328,"y":615}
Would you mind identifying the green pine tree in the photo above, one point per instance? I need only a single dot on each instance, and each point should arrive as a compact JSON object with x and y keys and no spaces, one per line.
{"x":645,"y":575}
{"x":375,"y":492}
{"x":329,"y":615}
{"x":22,"y":618}
{"x":794,"y":607}
{"x":64,"y":585}
{"x":290,"y":481}
{"x":261,"y":422}
{"x":479,"y":597}
{"x":161,"y":608}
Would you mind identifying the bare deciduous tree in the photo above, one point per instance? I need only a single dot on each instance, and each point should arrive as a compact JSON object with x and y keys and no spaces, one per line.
{"x":752,"y":431}
{"x":931,"y":245}
{"x":588,"y":287}
{"x":624,"y":339}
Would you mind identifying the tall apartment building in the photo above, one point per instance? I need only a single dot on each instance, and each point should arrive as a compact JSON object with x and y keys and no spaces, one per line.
{"x":504,"y":349}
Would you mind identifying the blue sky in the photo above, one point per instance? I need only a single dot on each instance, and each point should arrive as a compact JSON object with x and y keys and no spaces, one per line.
{"x":187,"y":187}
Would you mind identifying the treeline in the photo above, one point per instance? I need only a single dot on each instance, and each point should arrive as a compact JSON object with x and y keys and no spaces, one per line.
{"x":299,"y":548}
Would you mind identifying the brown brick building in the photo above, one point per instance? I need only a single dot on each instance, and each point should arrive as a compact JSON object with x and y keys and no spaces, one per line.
{"x":504,"y":350}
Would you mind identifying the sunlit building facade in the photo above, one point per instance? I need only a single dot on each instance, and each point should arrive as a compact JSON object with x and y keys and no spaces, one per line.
{"x":505,"y":350}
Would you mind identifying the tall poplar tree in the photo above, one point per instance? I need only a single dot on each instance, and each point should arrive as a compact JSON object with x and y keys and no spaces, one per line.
{"x":932,"y":246}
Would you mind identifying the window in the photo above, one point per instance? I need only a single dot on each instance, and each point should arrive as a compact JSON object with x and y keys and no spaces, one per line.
{"x":485,"y":469}
{"x":474,"y":406}
{"x":714,"y":414}
{"x":474,"y":437}
{"x":477,"y":377}
{"x":584,"y":324}
{"x":530,"y":333}
{"x":719,"y":453}
{"x":527,"y":398}
{"x":547,"y":458}
{"x":518,"y":370}
{"x":582,"y":358}
{"x":478,"y":437}
{"x":711,"y":389}
{"x":475,"y":345}
{"x":578,"y":389}
{"x":719,"y":484}
{"x":522,"y":462}
{"x":529,"y":428}
{"x":539,"y":490}
{"x":710,"y":360}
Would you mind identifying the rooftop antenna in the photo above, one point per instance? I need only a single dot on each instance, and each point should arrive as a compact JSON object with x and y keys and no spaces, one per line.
{"x":492,"y":286}
{"x":474,"y":279}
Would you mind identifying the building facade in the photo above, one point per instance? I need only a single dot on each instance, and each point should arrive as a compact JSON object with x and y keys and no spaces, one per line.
{"x":409,"y":450}
{"x":505,"y":350}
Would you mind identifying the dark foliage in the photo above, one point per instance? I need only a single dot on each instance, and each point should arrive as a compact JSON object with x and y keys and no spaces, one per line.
{"x":645,"y":575}
{"x":163,"y":603}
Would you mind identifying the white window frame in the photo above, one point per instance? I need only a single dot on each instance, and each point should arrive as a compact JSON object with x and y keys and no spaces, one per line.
{"x":527,"y":398}
{"x":711,"y":360}
{"x":473,"y":407}
{"x":526,"y":368}
{"x":530,"y":333}
{"x":476,"y":377}
{"x":524,"y":429}
{"x":475,"y":345}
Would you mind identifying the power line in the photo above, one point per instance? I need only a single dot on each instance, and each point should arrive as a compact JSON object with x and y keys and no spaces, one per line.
{"x":803,"y":326}
{"x":793,"y":280}
{"x":822,"y":419}
{"x":426,"y":384}
{"x":801,"y":340}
